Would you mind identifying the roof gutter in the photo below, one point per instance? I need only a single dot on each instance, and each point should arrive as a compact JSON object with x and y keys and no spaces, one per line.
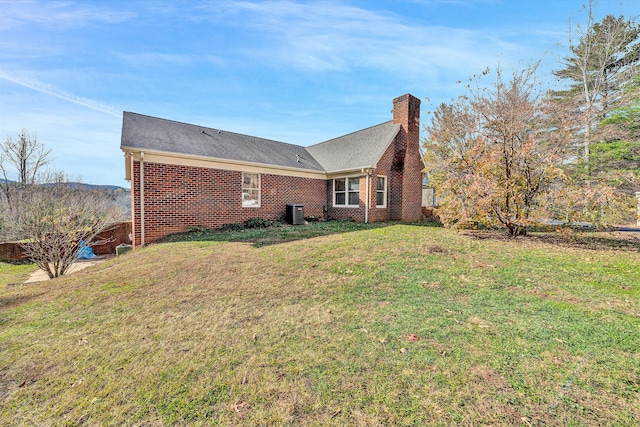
{"x":359,"y":169}
{"x":219,"y":163}
{"x":320,"y":174}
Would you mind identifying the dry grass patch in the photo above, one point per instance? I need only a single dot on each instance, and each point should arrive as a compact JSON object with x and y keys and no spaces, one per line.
{"x":364,"y":328}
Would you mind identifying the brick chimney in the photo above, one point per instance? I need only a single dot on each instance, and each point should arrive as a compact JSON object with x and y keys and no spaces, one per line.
{"x":406,"y":111}
{"x":407,"y":164}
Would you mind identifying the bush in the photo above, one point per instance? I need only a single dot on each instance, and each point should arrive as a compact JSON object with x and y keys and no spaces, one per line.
{"x":198,"y":229}
{"x":251,"y":223}
{"x":234,"y":226}
{"x":261,"y":223}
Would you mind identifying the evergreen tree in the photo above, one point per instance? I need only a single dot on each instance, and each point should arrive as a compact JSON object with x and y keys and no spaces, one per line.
{"x":603,"y":64}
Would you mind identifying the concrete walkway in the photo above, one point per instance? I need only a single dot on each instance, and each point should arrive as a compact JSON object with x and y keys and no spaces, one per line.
{"x":81,"y":264}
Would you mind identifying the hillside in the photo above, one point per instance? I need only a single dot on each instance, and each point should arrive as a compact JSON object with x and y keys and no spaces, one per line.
{"x":82,"y":185}
{"x":119,"y":196}
{"x":395,"y":325}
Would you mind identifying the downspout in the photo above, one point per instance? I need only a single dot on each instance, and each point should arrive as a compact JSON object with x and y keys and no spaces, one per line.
{"x":366,"y":203}
{"x":142,"y":198}
{"x":132,"y":236}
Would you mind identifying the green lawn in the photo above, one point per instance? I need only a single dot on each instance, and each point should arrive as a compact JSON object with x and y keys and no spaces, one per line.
{"x":14,"y":274}
{"x":386,"y":325}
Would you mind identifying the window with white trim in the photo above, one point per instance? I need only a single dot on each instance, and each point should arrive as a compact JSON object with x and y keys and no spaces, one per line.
{"x":250,"y":190}
{"x":381,"y":191}
{"x":346,"y":191}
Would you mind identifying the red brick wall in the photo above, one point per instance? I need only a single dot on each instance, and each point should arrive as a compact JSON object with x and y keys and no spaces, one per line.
{"x":117,"y":234}
{"x":178,"y":197}
{"x":401,"y":164}
{"x":406,"y":112}
{"x":11,"y":251}
{"x":358,"y":214}
{"x":412,"y":188}
{"x":393,"y":198}
{"x":375,"y":214}
{"x":395,"y":192}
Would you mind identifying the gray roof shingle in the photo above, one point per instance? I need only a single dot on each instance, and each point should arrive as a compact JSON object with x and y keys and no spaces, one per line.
{"x":151,"y":133}
{"x":355,"y":150}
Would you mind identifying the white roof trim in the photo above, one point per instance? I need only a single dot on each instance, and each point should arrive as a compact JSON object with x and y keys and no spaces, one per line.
{"x":170,"y":155}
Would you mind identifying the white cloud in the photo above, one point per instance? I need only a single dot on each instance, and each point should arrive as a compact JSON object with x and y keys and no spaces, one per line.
{"x":322,"y":37}
{"x":84,"y":142}
{"x":57,"y":14}
{"x":52,"y":90}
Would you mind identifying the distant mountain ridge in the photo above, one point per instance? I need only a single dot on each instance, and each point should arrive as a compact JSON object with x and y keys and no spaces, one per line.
{"x":82,"y":186}
{"x":95,"y":187}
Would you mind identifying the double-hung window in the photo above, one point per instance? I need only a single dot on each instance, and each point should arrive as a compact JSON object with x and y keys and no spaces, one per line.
{"x":250,"y":190}
{"x":346,"y":192}
{"x":381,"y":192}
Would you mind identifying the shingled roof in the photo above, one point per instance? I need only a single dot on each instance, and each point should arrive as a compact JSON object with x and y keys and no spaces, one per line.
{"x":356,"y":150}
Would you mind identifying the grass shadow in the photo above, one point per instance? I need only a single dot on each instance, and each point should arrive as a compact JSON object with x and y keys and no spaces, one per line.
{"x":260,"y":237}
{"x":596,"y":241}
{"x":8,"y":301}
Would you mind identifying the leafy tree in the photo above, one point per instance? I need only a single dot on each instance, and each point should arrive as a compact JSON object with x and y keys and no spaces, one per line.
{"x":604,"y":61}
{"x":603,"y":102}
{"x":491,"y":155}
{"x":572,"y":200}
{"x":616,"y":161}
{"x":506,"y":154}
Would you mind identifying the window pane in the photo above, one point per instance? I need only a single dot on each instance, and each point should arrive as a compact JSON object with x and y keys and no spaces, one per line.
{"x":250,"y":197}
{"x":354,"y":198}
{"x":382,"y":181}
{"x":354,"y":184}
{"x":250,"y":180}
{"x":339,"y":198}
{"x":339,"y":183}
{"x":380,"y":198}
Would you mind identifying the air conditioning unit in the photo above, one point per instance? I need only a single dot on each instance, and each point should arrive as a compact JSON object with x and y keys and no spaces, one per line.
{"x":295,"y":214}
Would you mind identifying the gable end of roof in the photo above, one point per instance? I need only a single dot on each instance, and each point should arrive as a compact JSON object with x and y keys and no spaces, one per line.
{"x":360,"y":149}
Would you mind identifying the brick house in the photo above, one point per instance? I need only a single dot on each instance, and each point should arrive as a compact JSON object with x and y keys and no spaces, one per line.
{"x":184,"y":175}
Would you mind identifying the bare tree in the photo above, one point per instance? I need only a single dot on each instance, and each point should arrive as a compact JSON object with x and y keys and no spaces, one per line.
{"x":26,"y":158}
{"x":53,"y":220}
{"x":50,"y":216}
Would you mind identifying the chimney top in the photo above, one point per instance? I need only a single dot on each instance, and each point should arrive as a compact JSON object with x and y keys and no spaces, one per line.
{"x":406,"y":112}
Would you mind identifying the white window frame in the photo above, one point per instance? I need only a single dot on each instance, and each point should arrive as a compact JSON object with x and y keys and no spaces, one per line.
{"x":259,"y":189}
{"x":384,"y":191}
{"x":346,"y":192}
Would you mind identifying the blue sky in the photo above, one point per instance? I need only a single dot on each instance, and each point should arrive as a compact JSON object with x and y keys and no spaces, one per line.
{"x":298,"y":72}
